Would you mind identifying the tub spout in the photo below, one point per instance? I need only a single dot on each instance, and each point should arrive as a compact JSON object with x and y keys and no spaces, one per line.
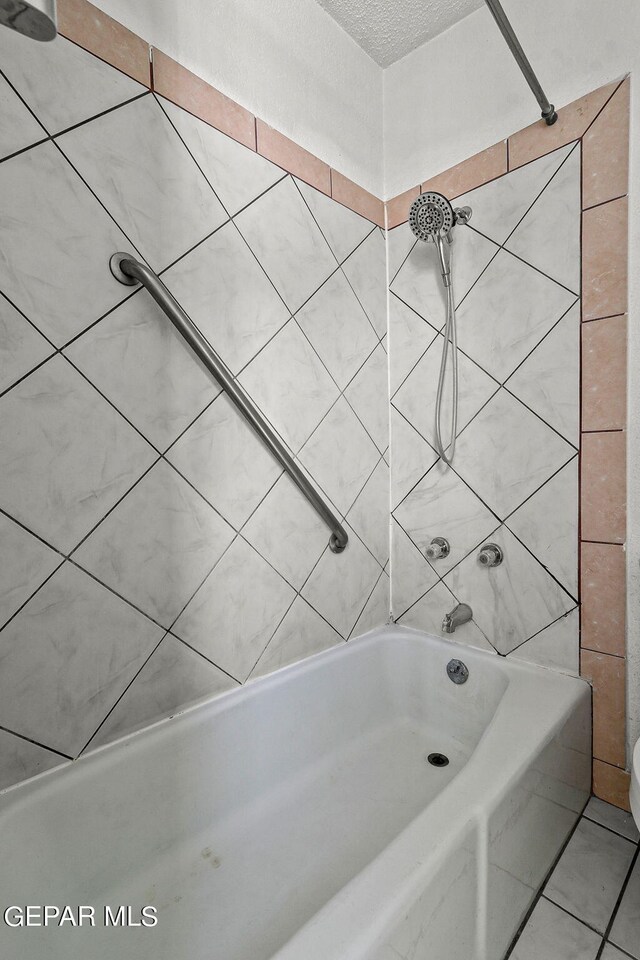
{"x":459,"y":615}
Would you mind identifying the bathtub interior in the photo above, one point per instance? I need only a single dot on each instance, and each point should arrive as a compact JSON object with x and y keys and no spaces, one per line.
{"x":263,"y":803}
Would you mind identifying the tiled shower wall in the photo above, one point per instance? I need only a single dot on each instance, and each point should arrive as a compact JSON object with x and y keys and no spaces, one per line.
{"x":152,"y":551}
{"x":524,"y":410}
{"x":514,"y":481}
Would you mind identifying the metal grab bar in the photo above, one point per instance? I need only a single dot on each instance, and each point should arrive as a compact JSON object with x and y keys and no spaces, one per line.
{"x":549,"y":114}
{"x":130,"y":271}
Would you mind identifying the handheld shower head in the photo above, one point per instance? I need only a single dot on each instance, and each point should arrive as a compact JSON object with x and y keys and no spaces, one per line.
{"x":32,"y":18}
{"x":431,"y":217}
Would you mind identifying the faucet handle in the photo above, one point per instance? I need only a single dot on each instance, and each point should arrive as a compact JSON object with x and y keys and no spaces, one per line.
{"x":490,"y":555}
{"x":438,"y":549}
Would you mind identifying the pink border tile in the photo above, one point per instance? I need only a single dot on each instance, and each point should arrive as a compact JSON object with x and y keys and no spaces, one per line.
{"x":605,"y":151}
{"x":604,"y":374}
{"x":347,"y":192}
{"x":292,"y":158}
{"x":107,"y":39}
{"x":398,"y":208}
{"x":604,"y":487}
{"x":471,"y":173}
{"x":603,"y":595}
{"x":611,"y":784}
{"x":607,"y":675}
{"x":604,"y":260}
{"x":176,"y":83}
{"x":536,"y":140}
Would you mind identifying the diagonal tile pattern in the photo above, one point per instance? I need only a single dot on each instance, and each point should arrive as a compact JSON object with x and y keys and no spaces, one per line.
{"x":518,"y":325}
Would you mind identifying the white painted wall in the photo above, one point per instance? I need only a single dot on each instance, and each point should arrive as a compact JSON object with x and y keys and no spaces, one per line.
{"x":462,"y":92}
{"x":285,"y":60}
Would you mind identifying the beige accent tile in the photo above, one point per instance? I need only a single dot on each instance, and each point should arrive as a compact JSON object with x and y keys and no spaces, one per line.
{"x":537,"y":139}
{"x":611,"y":784}
{"x":605,"y":151}
{"x":604,"y":374}
{"x":357,"y":198}
{"x":398,"y":207}
{"x":603,"y":594}
{"x":292,"y":158}
{"x":176,"y":83}
{"x":98,"y":33}
{"x":603,"y":492}
{"x":607,"y":674}
{"x":604,"y":260}
{"x":471,"y":173}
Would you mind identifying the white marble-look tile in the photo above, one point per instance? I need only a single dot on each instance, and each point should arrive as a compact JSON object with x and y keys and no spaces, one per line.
{"x":62,"y":83}
{"x":225,"y":460}
{"x":287,"y":532}
{"x":507,"y":313}
{"x":19,"y":128}
{"x":21,"y":346}
{"x":287,"y":242}
{"x":549,"y":236}
{"x":419,"y":281}
{"x":25,"y":563}
{"x":442,"y":505}
{"x":547,"y":524}
{"x":368,"y":394}
{"x":301,"y":634}
{"x":68,"y":456}
{"x":513,"y":601}
{"x":139,"y":168}
{"x":340,"y":455}
{"x":507,"y":453}
{"x":140,"y":362}
{"x":411,"y":575}
{"x":589,"y":875}
{"x":400,"y":243}
{"x":290,"y":385}
{"x":411,"y":457}
{"x":236,"y":173}
{"x":612,"y":817}
{"x":50,"y":224}
{"x":226,"y":293}
{"x":499,"y":206}
{"x":343,"y":229}
{"x":67,"y":657}
{"x":549,"y":379}
{"x":369,"y":516}
{"x":341,"y":584}
{"x":377,"y":608}
{"x":626,"y":926}
{"x":612,"y":953}
{"x":173,"y":678}
{"x":428,"y":613}
{"x":366,"y":271}
{"x":409,"y":337}
{"x":20,"y":760}
{"x":556,"y":647}
{"x":236,"y":611}
{"x":552,"y":933}
{"x":416,"y":398}
{"x":158,"y":545}
{"x":338,"y":328}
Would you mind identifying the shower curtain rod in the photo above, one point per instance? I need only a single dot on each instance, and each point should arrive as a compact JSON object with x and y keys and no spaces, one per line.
{"x":130,"y":271}
{"x":549,"y":114}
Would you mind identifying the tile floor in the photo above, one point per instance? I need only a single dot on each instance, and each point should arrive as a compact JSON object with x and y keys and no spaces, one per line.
{"x":589,"y":908}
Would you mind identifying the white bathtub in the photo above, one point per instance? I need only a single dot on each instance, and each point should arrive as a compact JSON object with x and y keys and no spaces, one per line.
{"x":297,"y":818}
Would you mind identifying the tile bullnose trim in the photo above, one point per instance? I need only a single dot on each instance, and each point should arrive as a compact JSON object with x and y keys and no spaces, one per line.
{"x":99,"y":34}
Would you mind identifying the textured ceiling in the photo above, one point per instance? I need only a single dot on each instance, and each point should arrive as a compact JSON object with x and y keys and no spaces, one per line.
{"x":389,"y":29}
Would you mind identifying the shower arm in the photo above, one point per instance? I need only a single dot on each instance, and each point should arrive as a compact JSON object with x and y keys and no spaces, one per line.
{"x":130,"y":272}
{"x":549,"y":114}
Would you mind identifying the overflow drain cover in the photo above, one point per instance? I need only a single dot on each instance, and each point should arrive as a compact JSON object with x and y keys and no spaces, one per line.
{"x":438,"y":759}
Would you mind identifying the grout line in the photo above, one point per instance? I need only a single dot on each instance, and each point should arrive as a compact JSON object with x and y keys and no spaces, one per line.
{"x":21,"y":736}
{"x":621,"y":894}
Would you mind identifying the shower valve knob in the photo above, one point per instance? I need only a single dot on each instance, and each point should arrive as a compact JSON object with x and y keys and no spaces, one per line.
{"x":490,"y":555}
{"x":438,"y":549}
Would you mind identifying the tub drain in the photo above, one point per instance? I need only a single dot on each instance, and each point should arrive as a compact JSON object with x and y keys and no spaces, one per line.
{"x":438,"y":759}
